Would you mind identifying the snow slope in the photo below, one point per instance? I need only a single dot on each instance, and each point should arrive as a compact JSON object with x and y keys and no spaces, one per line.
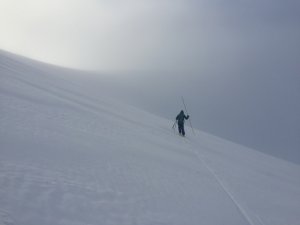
{"x":68,"y":156}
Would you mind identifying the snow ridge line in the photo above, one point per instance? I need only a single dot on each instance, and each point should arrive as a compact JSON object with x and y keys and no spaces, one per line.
{"x":225,"y":189}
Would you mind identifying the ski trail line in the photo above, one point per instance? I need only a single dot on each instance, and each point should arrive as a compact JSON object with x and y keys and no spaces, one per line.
{"x":224,"y":187}
{"x":260,"y":220}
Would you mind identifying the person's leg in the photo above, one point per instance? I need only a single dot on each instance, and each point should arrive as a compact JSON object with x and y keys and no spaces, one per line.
{"x":182,"y":130}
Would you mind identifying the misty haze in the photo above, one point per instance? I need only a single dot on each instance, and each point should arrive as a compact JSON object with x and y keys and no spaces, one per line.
{"x":90,"y":91}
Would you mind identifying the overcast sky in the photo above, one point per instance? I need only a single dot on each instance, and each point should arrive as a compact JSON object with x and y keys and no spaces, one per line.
{"x":149,"y":34}
{"x":236,"y":61}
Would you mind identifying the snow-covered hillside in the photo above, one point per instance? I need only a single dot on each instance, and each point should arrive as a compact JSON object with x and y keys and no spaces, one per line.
{"x":70,"y":157}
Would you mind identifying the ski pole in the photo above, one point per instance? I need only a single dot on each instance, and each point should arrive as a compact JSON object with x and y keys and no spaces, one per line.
{"x":188,"y":114}
{"x":174,"y":126}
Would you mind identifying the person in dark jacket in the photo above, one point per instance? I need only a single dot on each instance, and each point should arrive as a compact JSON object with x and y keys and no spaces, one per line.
{"x":180,"y":121}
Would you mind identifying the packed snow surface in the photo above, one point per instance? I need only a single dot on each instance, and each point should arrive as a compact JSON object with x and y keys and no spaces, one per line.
{"x":69,"y":157}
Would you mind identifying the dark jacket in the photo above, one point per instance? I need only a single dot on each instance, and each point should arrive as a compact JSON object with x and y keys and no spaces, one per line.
{"x":181,"y":117}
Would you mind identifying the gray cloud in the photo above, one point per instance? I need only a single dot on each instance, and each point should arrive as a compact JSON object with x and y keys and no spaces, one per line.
{"x":143,"y":35}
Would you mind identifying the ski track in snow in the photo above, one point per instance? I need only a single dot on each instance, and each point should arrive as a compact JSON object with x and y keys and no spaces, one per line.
{"x":69,"y":158}
{"x":226,"y":190}
{"x":219,"y":181}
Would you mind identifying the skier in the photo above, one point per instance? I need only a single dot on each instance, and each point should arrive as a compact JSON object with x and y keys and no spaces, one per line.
{"x":180,"y":121}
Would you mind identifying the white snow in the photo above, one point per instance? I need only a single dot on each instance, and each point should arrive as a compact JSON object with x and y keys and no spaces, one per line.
{"x":71,"y":157}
